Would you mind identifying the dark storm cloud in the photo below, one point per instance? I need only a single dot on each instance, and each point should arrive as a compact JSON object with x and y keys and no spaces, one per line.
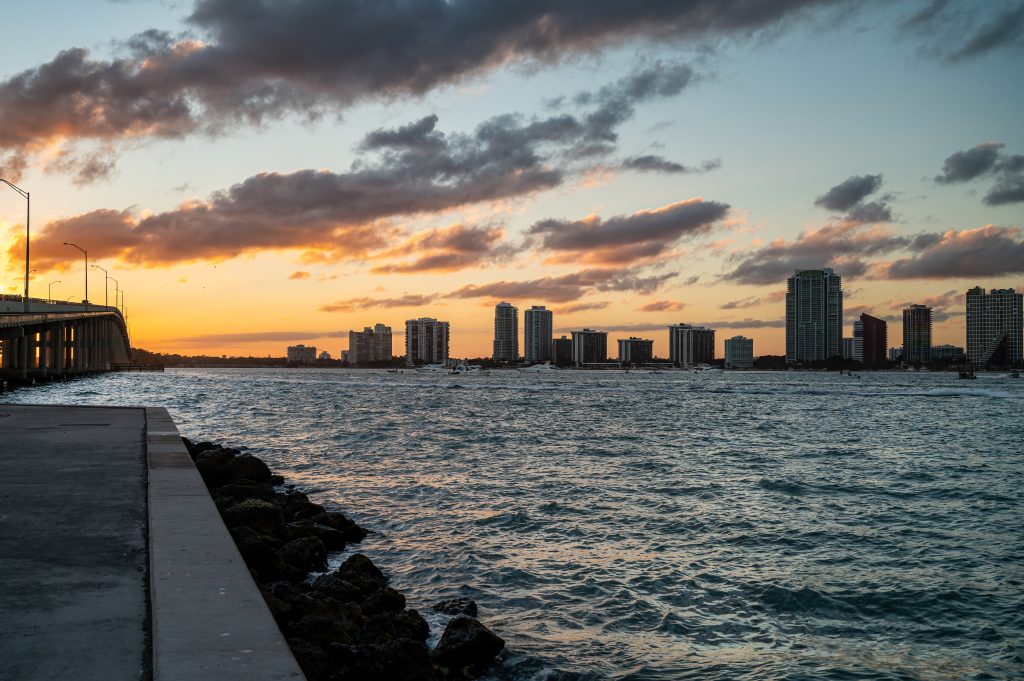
{"x":960,"y":30}
{"x":625,"y":238}
{"x":849,"y":196}
{"x":567,"y":287}
{"x":984,"y":160}
{"x":659,"y":164}
{"x":250,"y":62}
{"x":843,"y":247}
{"x":983,"y":252}
{"x":849,"y":192}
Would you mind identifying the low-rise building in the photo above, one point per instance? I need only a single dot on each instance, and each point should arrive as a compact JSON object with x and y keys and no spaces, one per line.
{"x":370,"y":345}
{"x":635,"y":351}
{"x":739,"y":353}
{"x":561,"y":351}
{"x":690,"y":345}
{"x":301,"y":354}
{"x":589,"y":347}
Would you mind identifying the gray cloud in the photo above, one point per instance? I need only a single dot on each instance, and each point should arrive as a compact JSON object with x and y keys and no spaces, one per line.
{"x":625,"y":238}
{"x":258,"y":337}
{"x":984,"y":160}
{"x":984,"y":252}
{"x":849,"y":196}
{"x":960,"y":30}
{"x":753,"y":301}
{"x":660,"y":164}
{"x":249,"y":63}
{"x":353,"y":304}
{"x":843,"y":247}
{"x":567,"y":287}
{"x":663,"y":306}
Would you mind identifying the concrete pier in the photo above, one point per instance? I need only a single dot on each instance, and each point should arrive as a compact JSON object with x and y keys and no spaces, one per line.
{"x":114,"y":560}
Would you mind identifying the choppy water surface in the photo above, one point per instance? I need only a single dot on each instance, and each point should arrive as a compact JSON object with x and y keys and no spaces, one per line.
{"x":623,"y":526}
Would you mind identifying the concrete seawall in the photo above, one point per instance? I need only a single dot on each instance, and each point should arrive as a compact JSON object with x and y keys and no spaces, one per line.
{"x":114,"y":559}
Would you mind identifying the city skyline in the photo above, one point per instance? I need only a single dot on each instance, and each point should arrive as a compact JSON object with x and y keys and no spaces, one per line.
{"x":646,"y":169}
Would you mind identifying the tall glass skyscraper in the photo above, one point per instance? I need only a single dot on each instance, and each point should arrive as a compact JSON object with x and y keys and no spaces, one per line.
{"x":994,"y":327}
{"x":537,"y":334}
{"x":917,"y":334}
{"x":506,"y":332}
{"x":814,"y":315}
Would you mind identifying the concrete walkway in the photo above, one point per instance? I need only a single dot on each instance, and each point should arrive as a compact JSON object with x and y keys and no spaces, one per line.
{"x":73,"y":557}
{"x":104,"y":520}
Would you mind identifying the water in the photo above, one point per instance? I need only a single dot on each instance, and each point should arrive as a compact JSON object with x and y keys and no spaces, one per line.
{"x":623,"y":526}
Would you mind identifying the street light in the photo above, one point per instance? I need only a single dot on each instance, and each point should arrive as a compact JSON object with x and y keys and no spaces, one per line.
{"x":117,"y":290}
{"x":105,"y":285}
{"x":49,"y":290}
{"x":86,"y":254}
{"x":28,"y":215}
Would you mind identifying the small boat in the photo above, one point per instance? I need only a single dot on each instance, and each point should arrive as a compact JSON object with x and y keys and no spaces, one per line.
{"x":701,"y":368}
{"x":432,"y":369}
{"x":1014,"y":374}
{"x":542,"y":368}
{"x":463,"y":368}
{"x":967,"y":372}
{"x":394,"y":371}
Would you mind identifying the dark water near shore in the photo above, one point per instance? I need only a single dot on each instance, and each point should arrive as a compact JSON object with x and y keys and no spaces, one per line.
{"x":731,"y":526}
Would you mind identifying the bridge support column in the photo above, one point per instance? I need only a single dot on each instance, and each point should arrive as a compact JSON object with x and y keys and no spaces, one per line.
{"x":58,"y":348}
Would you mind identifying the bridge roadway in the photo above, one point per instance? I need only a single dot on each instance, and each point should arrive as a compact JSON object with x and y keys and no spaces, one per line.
{"x":114,"y":561}
{"x":58,"y":340}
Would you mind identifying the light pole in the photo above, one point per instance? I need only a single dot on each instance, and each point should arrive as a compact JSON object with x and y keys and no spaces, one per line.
{"x":86,"y":254}
{"x":28,"y":215}
{"x":49,"y":291}
{"x":117,"y":290}
{"x":106,"y":276}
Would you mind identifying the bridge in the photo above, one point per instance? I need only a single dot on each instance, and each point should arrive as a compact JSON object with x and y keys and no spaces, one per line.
{"x":56,"y":340}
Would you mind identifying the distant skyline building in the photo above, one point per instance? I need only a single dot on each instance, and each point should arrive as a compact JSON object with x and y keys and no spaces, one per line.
{"x":538,"y":326}
{"x":426,"y":341}
{"x":952,"y":353}
{"x":561,"y":351}
{"x":857,"y":341}
{"x":370,"y":345}
{"x":917,"y":334}
{"x":325,"y":355}
{"x":814,"y":315}
{"x":895,"y":354}
{"x":689,"y":345}
{"x":301,"y":354}
{"x":739,"y":353}
{"x":994,"y":333}
{"x":635,"y":351}
{"x":848,"y":348}
{"x":589,"y":347}
{"x":506,"y":332}
{"x":874,"y":340}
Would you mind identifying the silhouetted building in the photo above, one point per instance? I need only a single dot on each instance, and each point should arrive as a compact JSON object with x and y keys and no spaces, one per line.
{"x":848,"y":348}
{"x":301,"y":354}
{"x":874,"y":340}
{"x":561,"y":350}
{"x":895,"y":354}
{"x":370,"y":345}
{"x":994,"y":331}
{"x":635,"y":351}
{"x":917,"y":334}
{"x":537,"y":330}
{"x":426,"y":341}
{"x":953,"y":354}
{"x":325,"y":355}
{"x":589,"y":347}
{"x":506,"y":332}
{"x":739,"y":353}
{"x":814,"y":315}
{"x":689,"y":345}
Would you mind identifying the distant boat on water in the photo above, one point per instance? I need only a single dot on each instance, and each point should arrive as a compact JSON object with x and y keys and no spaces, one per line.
{"x":432,"y":369}
{"x":543,"y":368}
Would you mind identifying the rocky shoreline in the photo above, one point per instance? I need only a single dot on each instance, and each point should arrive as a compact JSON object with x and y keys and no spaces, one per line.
{"x":347,"y":624}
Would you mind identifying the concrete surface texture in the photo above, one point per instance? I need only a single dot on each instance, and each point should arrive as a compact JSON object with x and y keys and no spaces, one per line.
{"x":73,"y":559}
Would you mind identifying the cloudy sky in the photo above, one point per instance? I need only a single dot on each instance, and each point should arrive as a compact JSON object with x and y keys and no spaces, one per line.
{"x":257,"y":174}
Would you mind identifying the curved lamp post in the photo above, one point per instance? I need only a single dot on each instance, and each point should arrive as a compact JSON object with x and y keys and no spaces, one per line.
{"x":49,"y":290}
{"x":117,"y":291}
{"x":106,"y":276}
{"x":28,"y":215}
{"x":86,"y":254}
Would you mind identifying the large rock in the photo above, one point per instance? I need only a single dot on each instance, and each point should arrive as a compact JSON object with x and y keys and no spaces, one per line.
{"x":394,"y":625}
{"x":354,"y":581}
{"x":248,"y":467}
{"x":306,"y":554}
{"x":466,"y":648}
{"x":261,"y":556}
{"x":214,"y":466}
{"x":332,"y":538}
{"x":383,"y":600}
{"x":297,"y":506}
{"x":399,"y":660}
{"x":456,"y":606}
{"x":262,"y":516}
{"x":341,"y":522}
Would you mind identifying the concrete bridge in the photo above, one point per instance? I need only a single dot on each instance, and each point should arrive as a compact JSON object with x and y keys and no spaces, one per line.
{"x":55,"y":340}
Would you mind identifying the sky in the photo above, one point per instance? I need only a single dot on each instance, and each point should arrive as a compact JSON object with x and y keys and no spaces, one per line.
{"x":261,"y":174}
